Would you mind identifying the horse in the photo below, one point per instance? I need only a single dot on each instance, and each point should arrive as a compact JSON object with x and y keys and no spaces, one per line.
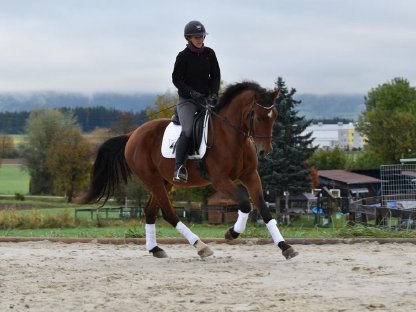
{"x":240,"y":131}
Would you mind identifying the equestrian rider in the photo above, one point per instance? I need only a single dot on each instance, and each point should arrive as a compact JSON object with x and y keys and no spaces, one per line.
{"x":196,"y":75}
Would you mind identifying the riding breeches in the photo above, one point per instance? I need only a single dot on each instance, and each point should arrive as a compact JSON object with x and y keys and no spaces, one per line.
{"x":186,"y":110}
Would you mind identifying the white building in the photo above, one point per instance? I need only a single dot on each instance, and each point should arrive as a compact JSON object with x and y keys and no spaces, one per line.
{"x":339,"y":135}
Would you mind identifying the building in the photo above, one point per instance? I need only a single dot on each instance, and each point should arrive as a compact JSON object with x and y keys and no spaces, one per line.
{"x":338,"y":135}
{"x":350,"y":184}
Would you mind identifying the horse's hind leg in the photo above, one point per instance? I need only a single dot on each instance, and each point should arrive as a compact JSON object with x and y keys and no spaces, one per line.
{"x":151,"y":211}
{"x":161,"y":195}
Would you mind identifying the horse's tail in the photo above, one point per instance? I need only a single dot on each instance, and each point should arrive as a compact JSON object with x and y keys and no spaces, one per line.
{"x":109,"y":170}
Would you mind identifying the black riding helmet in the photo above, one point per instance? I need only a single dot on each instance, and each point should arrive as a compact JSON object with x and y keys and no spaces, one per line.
{"x":194,"y":28}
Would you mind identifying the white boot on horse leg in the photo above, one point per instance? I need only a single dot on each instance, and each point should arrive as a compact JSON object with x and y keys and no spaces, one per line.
{"x":151,"y":244}
{"x":287,"y":251}
{"x":239,"y":226}
{"x":202,"y":249}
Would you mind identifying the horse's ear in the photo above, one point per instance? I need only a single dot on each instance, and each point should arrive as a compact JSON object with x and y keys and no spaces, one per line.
{"x":276,"y":93}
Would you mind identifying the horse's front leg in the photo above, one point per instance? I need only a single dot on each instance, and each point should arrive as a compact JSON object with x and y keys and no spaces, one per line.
{"x":244,"y":208}
{"x":239,"y":194}
{"x":253,"y":184}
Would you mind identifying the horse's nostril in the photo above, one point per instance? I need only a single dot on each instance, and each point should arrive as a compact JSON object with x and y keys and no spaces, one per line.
{"x":262,"y":154}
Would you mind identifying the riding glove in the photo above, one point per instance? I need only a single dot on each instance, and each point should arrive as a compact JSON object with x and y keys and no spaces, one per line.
{"x":214,"y":100}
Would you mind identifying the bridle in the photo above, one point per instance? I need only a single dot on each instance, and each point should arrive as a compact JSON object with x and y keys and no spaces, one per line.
{"x":251,"y":132}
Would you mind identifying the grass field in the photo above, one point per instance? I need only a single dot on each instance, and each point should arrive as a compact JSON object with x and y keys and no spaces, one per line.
{"x":60,"y":222}
{"x":13,"y":180}
{"x":18,"y":139}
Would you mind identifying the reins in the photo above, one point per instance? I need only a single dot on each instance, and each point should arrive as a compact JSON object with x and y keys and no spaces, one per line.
{"x":161,"y":111}
{"x":250,"y":133}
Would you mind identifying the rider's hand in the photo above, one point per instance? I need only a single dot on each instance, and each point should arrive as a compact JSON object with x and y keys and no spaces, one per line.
{"x":196,"y":95}
{"x":214,"y":100}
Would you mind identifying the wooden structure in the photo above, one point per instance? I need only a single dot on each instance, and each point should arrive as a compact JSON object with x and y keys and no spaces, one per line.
{"x":350,"y":184}
{"x":110,"y":212}
{"x":221,"y":209}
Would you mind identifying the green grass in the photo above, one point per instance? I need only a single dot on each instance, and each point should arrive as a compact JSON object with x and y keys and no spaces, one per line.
{"x":204,"y":230}
{"x":55,"y":218}
{"x":13,"y":180}
{"x":18,"y":139}
{"x":91,"y":228}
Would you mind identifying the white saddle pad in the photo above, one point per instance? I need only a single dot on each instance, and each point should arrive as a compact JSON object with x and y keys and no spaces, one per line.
{"x":171,"y":135}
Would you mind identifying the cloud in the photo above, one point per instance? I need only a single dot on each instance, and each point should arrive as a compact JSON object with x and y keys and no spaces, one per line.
{"x":318,"y":46}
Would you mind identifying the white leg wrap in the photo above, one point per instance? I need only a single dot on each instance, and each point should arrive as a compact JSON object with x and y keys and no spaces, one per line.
{"x":150,"y":236}
{"x":187,"y":233}
{"x":241,"y":222}
{"x":274,"y":231}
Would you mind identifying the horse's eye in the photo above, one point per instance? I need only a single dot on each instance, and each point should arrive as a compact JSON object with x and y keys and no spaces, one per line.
{"x":258,"y":119}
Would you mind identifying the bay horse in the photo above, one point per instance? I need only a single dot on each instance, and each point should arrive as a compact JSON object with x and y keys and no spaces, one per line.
{"x":240,"y":132}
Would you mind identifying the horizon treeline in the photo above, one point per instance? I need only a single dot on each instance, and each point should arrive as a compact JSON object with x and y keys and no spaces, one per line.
{"x":88,"y":118}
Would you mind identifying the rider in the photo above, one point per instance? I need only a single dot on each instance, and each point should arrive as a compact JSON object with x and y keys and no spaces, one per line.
{"x":196,"y":75}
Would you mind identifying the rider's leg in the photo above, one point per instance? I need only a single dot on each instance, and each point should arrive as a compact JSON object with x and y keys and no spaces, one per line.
{"x":181,"y":154}
{"x":186,"y":110}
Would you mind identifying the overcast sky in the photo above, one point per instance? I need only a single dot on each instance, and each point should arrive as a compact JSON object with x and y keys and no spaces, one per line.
{"x":317,"y":46}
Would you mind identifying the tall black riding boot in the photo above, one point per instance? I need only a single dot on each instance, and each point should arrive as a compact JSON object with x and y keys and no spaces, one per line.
{"x":182,"y":146}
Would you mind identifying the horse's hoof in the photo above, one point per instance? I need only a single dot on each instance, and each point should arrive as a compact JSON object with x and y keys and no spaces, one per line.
{"x":203,"y":249}
{"x":158,"y":252}
{"x":231,"y":234}
{"x":205,"y":252}
{"x":290,"y":253}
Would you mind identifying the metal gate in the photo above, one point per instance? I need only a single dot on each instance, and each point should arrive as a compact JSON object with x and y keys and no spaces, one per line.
{"x":398,"y":185}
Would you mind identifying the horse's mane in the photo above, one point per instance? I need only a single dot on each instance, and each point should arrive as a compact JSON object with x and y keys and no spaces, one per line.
{"x":235,"y":89}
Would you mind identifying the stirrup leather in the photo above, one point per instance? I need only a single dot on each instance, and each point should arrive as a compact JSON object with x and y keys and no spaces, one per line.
{"x":181,"y":174}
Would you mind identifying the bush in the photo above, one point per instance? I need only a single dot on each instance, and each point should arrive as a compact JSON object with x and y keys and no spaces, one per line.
{"x":36,"y":219}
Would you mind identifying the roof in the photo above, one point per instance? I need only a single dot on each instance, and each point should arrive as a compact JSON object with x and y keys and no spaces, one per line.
{"x":347,"y":177}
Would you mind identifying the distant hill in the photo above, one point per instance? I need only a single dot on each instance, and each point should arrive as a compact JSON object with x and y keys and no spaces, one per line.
{"x":328,"y":106}
{"x":313,"y":106}
{"x":17,"y":102}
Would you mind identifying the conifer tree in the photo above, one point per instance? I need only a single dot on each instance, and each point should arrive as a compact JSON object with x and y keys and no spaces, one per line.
{"x":286,"y":168}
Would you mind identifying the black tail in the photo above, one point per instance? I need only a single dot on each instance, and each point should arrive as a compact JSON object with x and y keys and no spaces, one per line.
{"x":109,"y":170}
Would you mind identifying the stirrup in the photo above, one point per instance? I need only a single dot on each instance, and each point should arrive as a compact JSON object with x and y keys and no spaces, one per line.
{"x":180,"y":175}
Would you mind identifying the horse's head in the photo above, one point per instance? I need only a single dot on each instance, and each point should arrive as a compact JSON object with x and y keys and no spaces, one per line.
{"x":251,"y":112}
{"x":261,"y":118}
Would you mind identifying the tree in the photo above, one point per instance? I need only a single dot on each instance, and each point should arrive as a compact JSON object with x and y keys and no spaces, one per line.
{"x":123,"y":124}
{"x":69,"y":162}
{"x":329,"y":159}
{"x":42,"y":129}
{"x":287,"y":169}
{"x":164,"y":106}
{"x":365,"y":159}
{"x":389,"y":121}
{"x":6,"y":146}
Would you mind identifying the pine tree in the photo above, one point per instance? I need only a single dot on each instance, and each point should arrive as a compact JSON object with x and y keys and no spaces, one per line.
{"x":286,"y":168}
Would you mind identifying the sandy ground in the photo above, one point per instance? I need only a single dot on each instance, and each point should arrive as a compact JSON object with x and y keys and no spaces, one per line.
{"x":45,"y":276}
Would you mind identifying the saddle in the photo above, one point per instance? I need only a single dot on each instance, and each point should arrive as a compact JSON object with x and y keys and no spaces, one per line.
{"x":199,"y":136}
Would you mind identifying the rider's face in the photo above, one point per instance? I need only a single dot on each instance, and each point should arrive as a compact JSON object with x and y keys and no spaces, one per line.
{"x":197,"y":41}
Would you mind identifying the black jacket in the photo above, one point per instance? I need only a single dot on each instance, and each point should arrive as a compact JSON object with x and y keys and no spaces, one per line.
{"x":196,"y":71}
